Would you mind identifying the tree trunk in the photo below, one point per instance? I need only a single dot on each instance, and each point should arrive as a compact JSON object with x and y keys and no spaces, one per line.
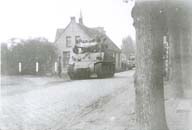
{"x":179,"y":18}
{"x":149,"y":20}
{"x":175,"y":58}
{"x":186,"y":46}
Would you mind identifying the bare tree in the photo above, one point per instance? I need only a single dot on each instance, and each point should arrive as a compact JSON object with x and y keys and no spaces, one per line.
{"x":128,"y":47}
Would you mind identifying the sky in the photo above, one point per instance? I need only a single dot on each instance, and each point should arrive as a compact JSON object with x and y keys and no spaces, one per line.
{"x":41,"y":18}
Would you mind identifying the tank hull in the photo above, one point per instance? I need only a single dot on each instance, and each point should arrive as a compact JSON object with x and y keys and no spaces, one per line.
{"x":101,"y":69}
{"x":80,"y":73}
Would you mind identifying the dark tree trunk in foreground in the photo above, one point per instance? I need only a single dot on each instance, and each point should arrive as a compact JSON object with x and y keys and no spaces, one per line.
{"x":150,"y":23}
{"x":179,"y":19}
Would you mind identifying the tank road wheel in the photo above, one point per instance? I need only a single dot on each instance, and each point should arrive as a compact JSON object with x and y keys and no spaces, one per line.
{"x":83,"y":73}
{"x":72,"y":75}
{"x":104,"y":70}
{"x":87,"y":74}
{"x":108,"y":69}
{"x":98,"y":70}
{"x":112,"y":70}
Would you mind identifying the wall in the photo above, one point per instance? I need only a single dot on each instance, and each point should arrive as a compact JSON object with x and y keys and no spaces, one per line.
{"x":72,"y":30}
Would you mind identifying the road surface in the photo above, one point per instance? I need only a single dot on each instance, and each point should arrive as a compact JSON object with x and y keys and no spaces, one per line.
{"x":42,"y":103}
{"x":34,"y":103}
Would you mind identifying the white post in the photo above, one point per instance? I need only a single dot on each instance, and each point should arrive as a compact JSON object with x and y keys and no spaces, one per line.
{"x":20,"y":67}
{"x":37,"y":67}
{"x":56,"y":67}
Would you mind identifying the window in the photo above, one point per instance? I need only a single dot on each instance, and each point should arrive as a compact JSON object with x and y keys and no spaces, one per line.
{"x":66,"y":56}
{"x":77,"y":39}
{"x":68,"y":41}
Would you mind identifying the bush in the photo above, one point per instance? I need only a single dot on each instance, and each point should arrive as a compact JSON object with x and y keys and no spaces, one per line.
{"x":28,"y":52}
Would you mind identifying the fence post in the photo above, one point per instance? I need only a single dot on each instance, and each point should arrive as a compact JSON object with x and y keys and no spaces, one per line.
{"x":20,"y":67}
{"x":37,"y":67}
{"x":56,"y":67}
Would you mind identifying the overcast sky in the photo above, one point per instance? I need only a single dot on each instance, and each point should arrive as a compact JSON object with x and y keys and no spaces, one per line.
{"x":41,"y":18}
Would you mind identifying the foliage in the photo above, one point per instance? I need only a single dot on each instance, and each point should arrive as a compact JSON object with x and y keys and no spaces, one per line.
{"x":28,"y":52}
{"x":128,"y":47}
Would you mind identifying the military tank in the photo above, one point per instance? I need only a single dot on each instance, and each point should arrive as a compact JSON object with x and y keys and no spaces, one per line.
{"x":89,"y":59}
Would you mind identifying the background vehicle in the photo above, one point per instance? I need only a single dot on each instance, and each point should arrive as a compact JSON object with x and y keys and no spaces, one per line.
{"x":131,"y":62}
{"x":91,"y":59}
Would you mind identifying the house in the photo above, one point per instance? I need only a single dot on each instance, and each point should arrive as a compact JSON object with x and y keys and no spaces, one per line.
{"x":123,"y":62}
{"x":75,"y":31}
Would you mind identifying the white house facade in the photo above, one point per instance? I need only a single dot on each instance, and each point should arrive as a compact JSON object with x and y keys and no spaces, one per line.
{"x":67,"y":38}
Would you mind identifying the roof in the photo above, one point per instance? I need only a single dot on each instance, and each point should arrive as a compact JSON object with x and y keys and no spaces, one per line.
{"x":59,"y":32}
{"x":93,"y":33}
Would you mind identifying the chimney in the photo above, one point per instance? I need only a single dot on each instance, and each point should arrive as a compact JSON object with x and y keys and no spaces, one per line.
{"x":73,"y":19}
{"x":81,"y":18}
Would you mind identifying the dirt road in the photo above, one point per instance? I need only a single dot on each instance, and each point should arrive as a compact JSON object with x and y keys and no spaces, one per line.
{"x":47,"y":104}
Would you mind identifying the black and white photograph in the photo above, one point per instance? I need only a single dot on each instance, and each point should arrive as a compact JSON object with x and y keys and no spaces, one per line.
{"x":96,"y":65}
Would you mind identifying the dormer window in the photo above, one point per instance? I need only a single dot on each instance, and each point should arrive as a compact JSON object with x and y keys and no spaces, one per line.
{"x":68,"y":41}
